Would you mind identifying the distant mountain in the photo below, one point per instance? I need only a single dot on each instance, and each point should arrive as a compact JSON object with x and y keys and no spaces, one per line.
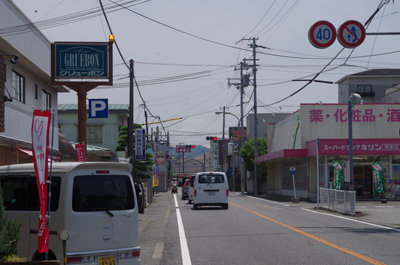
{"x":195,"y":152}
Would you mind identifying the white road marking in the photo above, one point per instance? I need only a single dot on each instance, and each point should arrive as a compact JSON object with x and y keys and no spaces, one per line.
{"x":182,"y":237}
{"x":158,"y":250}
{"x":350,"y":219}
{"x":261,"y":199}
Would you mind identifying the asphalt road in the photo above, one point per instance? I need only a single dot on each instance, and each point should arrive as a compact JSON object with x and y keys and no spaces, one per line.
{"x":258,"y":231}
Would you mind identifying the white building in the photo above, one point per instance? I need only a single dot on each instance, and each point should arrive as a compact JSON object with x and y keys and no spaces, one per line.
{"x":24,"y":84}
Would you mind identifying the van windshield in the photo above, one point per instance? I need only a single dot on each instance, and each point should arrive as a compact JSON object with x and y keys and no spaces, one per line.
{"x":102,"y":193}
{"x":211,"y":178}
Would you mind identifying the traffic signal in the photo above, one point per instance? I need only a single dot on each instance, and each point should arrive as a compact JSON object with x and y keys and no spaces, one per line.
{"x":211,"y":138}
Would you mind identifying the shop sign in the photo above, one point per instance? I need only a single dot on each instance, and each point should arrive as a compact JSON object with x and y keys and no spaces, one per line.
{"x":360,"y":146}
{"x":77,"y":60}
{"x":368,"y":115}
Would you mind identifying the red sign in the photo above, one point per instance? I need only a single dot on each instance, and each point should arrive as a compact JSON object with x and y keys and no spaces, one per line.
{"x":40,"y":142}
{"x":322,"y":34}
{"x":351,"y":34}
{"x":361,"y":147}
{"x":80,"y":152}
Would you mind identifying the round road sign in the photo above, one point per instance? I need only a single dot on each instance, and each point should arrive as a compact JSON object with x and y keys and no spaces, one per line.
{"x":351,"y":34}
{"x":322,"y":34}
{"x":292,"y":170}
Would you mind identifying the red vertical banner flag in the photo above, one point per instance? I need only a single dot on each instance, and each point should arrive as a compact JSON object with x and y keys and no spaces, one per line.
{"x":80,"y":152}
{"x":40,"y":142}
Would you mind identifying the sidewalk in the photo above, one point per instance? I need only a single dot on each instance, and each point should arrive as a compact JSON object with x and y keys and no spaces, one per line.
{"x":152,"y":226}
{"x":372,"y":211}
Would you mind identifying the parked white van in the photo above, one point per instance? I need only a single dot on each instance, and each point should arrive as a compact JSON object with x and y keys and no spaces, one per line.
{"x":93,"y":217}
{"x":210,"y":188}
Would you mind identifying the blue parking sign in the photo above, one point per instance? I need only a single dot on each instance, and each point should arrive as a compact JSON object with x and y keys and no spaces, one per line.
{"x":98,"y":108}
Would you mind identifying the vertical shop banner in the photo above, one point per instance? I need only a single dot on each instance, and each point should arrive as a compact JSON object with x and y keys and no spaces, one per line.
{"x":40,"y":142}
{"x":155,"y":176}
{"x":80,"y":152}
{"x":377,"y":175}
{"x":338,"y":174}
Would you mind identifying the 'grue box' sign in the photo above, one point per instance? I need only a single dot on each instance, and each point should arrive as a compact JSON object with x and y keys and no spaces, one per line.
{"x":76,"y":60}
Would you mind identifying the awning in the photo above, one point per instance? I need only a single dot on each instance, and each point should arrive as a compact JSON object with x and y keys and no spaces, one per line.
{"x":56,"y":158}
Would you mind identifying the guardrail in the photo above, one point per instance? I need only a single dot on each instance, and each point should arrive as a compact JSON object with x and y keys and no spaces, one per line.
{"x":338,"y":200}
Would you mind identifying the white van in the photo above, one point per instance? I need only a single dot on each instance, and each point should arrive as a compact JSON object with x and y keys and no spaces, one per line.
{"x":93,"y":217}
{"x":210,"y":188}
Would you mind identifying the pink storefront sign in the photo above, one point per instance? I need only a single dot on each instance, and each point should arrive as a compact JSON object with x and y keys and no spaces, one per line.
{"x":361,"y":147}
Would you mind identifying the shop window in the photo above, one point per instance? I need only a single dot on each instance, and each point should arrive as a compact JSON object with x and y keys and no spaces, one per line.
{"x":18,"y":86}
{"x":365,"y":90}
{"x":46,"y":100}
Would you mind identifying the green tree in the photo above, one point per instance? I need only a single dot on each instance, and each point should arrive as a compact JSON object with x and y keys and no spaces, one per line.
{"x":247,"y":151}
{"x":140,"y":168}
{"x":9,"y":233}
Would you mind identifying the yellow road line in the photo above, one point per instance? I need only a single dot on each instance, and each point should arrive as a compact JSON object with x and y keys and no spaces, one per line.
{"x":323,"y":241}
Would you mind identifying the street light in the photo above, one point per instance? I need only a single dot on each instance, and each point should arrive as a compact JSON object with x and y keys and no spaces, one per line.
{"x":354,"y":99}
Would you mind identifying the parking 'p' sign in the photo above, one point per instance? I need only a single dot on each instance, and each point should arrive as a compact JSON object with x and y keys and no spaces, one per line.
{"x":351,"y":34}
{"x":322,"y":34}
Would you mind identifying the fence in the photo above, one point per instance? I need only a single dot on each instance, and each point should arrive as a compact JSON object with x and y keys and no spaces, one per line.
{"x":338,"y":200}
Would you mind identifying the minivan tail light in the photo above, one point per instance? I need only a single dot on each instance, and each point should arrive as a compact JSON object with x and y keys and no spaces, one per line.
{"x":136,"y":253}
{"x":227,"y":192}
{"x":195,"y":193}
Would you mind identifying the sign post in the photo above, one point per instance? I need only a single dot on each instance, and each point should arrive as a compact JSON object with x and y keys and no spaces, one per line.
{"x":82,"y":66}
{"x":292,"y":171}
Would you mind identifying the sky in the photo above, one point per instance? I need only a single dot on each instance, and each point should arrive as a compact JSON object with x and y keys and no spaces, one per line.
{"x":185,"y":51}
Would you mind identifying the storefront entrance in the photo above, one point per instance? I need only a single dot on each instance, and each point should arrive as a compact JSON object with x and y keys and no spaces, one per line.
{"x":363,"y":181}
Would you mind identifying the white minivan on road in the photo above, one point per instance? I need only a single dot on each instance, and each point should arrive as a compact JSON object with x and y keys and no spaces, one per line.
{"x":93,"y":216}
{"x":210,"y":188}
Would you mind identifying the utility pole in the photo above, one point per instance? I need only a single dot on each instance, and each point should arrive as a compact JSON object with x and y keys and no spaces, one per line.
{"x":223,"y":141}
{"x":130,"y":118}
{"x":255,"y":115}
{"x":244,"y":82}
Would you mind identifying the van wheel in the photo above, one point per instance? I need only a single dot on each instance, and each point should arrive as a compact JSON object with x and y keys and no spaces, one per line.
{"x":195,"y":206}
{"x":225,"y":206}
{"x":190,"y":201}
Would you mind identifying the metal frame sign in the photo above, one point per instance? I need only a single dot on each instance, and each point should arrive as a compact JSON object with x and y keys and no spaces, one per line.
{"x":140,"y":144}
{"x":89,"y":61}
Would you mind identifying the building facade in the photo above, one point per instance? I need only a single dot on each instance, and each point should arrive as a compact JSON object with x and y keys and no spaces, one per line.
{"x":101,"y":132}
{"x":371,"y":85}
{"x":24,"y":86}
{"x":319,"y":132}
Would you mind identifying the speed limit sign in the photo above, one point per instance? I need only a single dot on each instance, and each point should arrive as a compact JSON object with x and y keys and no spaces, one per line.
{"x":322,"y":34}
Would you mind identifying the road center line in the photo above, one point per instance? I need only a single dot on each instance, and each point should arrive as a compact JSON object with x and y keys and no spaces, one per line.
{"x":182,"y":237}
{"x":323,"y":241}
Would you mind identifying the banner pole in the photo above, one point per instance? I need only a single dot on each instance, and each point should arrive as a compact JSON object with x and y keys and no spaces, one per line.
{"x":50,"y":173}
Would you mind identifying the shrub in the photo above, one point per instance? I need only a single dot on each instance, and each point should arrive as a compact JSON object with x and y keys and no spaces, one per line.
{"x":9,"y":234}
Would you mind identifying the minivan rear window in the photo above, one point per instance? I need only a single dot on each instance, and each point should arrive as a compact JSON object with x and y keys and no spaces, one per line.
{"x":211,"y":178}
{"x":102,"y":192}
{"x":20,"y":193}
